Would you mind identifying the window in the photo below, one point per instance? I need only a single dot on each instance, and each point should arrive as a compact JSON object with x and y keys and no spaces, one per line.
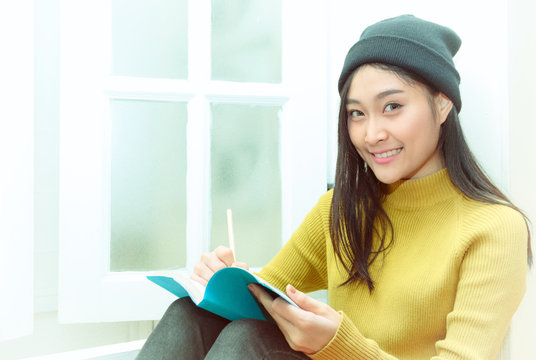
{"x":171,"y":112}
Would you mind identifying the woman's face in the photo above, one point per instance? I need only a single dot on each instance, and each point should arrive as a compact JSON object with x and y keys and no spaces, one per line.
{"x":392,"y":125}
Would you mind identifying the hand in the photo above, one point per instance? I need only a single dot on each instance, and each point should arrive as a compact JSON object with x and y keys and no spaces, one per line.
{"x":308,"y":328}
{"x":214,"y":261}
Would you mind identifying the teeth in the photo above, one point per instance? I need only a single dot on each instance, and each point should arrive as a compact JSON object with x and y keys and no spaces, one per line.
{"x":387,"y":153}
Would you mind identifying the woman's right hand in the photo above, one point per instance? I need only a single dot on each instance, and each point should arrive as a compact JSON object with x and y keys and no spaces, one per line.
{"x":214,"y":261}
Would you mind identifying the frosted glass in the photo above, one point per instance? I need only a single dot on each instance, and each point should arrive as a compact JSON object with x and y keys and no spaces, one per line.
{"x":246,"y":177}
{"x":150,"y":38}
{"x":148,"y":185}
{"x":246,"y":40}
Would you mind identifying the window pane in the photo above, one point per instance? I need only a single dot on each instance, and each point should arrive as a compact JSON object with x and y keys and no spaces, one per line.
{"x":246,"y":177}
{"x":148,"y":185}
{"x":246,"y":40}
{"x":150,"y":38}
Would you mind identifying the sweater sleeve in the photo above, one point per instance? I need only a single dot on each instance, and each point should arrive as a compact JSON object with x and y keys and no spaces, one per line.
{"x":492,"y":282}
{"x":491,"y":285}
{"x":302,"y":261}
{"x":348,"y":343}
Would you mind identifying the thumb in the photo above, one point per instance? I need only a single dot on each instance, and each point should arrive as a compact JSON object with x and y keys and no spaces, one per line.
{"x":303,"y":301}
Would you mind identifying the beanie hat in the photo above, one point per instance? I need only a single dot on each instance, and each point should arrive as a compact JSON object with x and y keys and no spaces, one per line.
{"x":421,"y":47}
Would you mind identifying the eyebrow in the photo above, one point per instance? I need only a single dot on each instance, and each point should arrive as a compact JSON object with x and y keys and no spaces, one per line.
{"x":380,"y":96}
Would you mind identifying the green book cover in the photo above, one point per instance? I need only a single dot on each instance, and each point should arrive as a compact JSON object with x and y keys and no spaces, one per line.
{"x":226,"y":293}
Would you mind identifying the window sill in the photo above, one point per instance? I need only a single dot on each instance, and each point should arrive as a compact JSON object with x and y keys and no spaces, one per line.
{"x":122,"y":351}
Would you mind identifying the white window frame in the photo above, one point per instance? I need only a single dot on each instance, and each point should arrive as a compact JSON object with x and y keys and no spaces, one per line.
{"x":88,"y":291}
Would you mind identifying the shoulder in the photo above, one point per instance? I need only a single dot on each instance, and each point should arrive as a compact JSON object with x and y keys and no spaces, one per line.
{"x":325,"y":199}
{"x":498,"y":226}
{"x":320,"y":213}
{"x":491,"y":216}
{"x":323,"y":205}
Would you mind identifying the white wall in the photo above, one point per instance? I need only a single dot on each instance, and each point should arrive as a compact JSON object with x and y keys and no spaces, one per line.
{"x":522,"y":117}
{"x":16,"y":167}
{"x":46,"y":153}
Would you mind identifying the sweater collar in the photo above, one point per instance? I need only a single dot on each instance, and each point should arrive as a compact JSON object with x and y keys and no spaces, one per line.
{"x":421,"y":192}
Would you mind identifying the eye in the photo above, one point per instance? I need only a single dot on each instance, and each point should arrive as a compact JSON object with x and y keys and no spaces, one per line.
{"x":392,"y":106}
{"x":354,"y":114}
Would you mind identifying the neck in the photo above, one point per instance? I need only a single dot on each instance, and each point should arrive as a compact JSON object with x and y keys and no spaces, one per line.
{"x":421,"y":191}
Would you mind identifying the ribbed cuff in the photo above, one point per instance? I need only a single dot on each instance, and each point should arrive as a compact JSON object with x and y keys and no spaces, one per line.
{"x":343,"y":344}
{"x":349,"y":344}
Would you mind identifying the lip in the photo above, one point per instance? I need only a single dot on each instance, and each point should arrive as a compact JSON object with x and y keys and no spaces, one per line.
{"x":385,"y":160}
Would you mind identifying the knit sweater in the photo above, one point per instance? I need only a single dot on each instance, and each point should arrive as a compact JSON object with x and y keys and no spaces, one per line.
{"x":446,"y":288}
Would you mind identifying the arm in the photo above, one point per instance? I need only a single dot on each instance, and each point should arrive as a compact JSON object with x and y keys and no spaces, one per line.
{"x":302,"y":261}
{"x":316,"y":329}
{"x":491,"y":284}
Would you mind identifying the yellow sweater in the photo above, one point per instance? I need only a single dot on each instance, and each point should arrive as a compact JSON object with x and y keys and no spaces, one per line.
{"x":446,"y":289}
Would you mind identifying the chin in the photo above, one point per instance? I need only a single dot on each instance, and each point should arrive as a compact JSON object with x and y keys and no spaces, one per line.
{"x":387,"y":178}
{"x":389,"y":181}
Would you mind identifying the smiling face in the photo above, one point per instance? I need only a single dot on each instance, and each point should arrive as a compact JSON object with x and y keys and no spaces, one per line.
{"x":393,"y":126}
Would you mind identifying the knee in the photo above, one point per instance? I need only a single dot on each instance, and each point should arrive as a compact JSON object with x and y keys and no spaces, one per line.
{"x":246,"y":329}
{"x":179,"y":309}
{"x":251,"y":339}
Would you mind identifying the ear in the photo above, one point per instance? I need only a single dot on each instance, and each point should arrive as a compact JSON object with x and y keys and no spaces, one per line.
{"x":444,"y":105}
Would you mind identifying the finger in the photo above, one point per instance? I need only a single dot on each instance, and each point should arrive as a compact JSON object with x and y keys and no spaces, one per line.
{"x":268,"y":302}
{"x":274,"y":307}
{"x":225,"y":255}
{"x":212,"y":261}
{"x":262,"y":296}
{"x":202,"y":272}
{"x":199,"y":279}
{"x":304,"y":301}
{"x":287,"y":327}
{"x":308,"y":308}
{"x":290,"y":314}
{"x":240,"y":264}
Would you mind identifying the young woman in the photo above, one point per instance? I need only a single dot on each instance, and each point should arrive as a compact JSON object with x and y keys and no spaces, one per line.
{"x":423,"y":257}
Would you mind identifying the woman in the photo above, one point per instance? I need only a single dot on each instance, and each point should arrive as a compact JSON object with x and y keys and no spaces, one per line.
{"x":423,"y":257}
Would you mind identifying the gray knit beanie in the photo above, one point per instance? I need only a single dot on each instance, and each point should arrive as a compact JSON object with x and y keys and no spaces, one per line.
{"x":419,"y":46}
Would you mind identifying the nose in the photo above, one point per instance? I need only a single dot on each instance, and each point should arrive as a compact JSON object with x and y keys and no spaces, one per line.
{"x":375,"y":131}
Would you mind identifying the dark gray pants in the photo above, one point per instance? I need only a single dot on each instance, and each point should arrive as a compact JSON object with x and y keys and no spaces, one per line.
{"x":188,"y":332}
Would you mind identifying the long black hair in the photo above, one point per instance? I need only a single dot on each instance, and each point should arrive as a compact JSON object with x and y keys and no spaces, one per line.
{"x":357,"y":214}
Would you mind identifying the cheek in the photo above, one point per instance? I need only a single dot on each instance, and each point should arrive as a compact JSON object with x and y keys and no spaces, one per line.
{"x":356,"y":136}
{"x":424,"y":134}
{"x":355,"y":133}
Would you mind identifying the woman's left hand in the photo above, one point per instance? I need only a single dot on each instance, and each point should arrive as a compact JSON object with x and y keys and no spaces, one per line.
{"x":308,"y":328}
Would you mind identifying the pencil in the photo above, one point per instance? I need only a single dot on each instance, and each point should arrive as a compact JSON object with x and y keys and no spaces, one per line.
{"x":230,"y":231}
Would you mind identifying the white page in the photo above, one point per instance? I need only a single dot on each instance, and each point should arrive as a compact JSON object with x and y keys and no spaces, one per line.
{"x":195,"y":289}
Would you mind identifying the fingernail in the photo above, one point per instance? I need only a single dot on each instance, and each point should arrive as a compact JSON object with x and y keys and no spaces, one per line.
{"x":291,"y":289}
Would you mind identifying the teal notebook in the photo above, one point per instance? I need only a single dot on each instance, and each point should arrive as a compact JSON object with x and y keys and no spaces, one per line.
{"x":226,"y":293}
